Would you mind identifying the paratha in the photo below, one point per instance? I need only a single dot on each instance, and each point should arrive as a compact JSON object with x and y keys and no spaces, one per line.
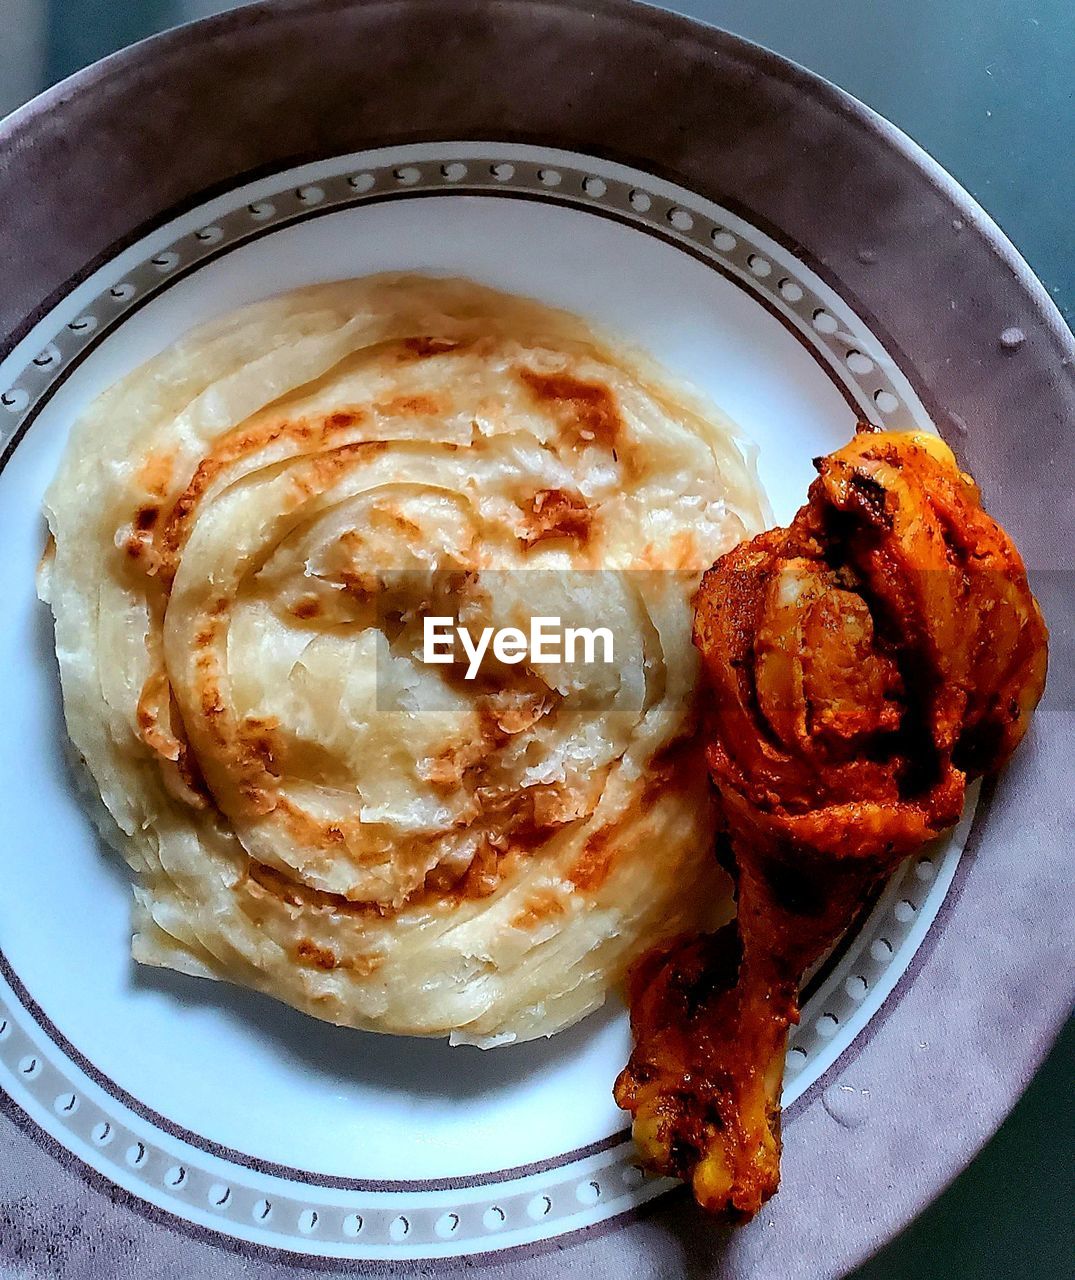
{"x":249,"y":532}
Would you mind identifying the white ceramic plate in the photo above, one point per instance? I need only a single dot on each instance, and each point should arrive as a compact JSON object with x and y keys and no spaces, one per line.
{"x":223,"y":1107}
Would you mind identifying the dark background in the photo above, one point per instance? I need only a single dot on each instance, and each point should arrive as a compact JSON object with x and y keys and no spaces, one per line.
{"x":988,"y":88}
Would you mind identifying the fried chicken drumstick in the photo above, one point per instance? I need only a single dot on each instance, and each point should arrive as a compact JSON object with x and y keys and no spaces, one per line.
{"x":861,"y":665}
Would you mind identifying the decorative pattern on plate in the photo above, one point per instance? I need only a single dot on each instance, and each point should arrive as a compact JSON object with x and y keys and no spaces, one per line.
{"x":729,"y":244}
{"x":224,"y":1191}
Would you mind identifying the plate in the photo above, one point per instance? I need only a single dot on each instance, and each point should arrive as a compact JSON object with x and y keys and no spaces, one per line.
{"x":696,"y":211}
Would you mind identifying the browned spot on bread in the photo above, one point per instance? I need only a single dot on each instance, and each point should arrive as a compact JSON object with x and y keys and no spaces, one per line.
{"x":212,"y":703}
{"x":343,"y":418}
{"x":592,"y":867}
{"x":425,"y":347}
{"x":500,"y":856}
{"x":447,"y":769}
{"x":187,"y":783}
{"x":308,"y":607}
{"x":313,"y":833}
{"x":538,"y":908}
{"x":394,"y":519}
{"x":521,"y":822}
{"x":515,"y":711}
{"x":586,"y":411}
{"x":152,"y":706}
{"x":146,"y":517}
{"x":241,"y":443}
{"x":444,"y":771}
{"x":155,"y":472}
{"x":681,"y":553}
{"x":555,"y":513}
{"x":555,"y":806}
{"x":266,"y":879}
{"x":320,"y":470}
{"x":483,"y":875}
{"x":319,"y":957}
{"x":493,"y":735}
{"x":140,"y":550}
{"x":256,"y":741}
{"x":183,"y":781}
{"x":363,"y":586}
{"x":160,"y":727}
{"x":410,"y":406}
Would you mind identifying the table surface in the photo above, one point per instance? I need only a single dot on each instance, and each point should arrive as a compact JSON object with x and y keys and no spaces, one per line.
{"x":986,"y":86}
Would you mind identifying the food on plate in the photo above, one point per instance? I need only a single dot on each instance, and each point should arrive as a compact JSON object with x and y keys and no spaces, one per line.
{"x":861,"y":665}
{"x":251,"y":538}
{"x":249,"y":533}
